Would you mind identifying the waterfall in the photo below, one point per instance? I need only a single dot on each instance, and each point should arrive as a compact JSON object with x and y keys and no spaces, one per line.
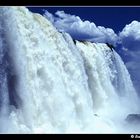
{"x":51,"y":84}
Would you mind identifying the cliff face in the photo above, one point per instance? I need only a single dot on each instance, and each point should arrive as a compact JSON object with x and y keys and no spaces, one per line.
{"x":50,"y":84}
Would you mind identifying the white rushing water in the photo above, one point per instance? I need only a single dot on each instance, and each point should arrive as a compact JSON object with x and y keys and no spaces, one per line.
{"x":50,"y":84}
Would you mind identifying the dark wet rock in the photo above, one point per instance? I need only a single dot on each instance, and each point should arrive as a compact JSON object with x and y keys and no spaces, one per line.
{"x":133,"y":118}
{"x":96,"y":115}
{"x":110,"y":46}
{"x":74,"y":41}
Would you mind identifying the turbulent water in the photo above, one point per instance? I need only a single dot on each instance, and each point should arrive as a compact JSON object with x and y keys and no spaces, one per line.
{"x":52,"y":84}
